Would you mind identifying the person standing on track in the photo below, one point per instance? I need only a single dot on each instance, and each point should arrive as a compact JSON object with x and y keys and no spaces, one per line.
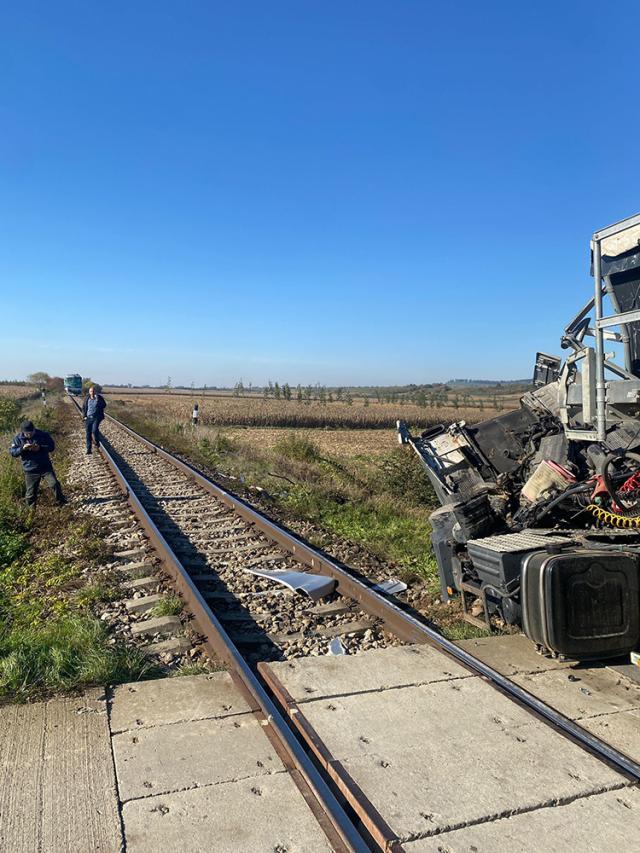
{"x":93,"y":413}
{"x":33,"y":446}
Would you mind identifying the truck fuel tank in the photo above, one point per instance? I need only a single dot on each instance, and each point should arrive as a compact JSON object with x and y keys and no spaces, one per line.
{"x":582,"y":604}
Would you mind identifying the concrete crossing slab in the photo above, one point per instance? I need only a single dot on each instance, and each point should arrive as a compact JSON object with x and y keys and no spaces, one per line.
{"x":603,"y":823}
{"x":78,"y":777}
{"x":603,"y":699}
{"x":381,"y":669}
{"x":197,"y":772}
{"x":191,"y":755}
{"x":408,"y":750}
{"x":582,"y":692}
{"x":21,"y":747}
{"x":434,"y":755}
{"x":510,"y":654}
{"x":57,"y":782}
{"x":186,"y":766}
{"x":621,"y":730}
{"x":258,"y":815}
{"x":173,"y":700}
{"x":630,"y":671}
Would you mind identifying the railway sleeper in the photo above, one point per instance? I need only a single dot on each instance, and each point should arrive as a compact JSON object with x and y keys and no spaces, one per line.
{"x":139,"y":584}
{"x":137,"y":570}
{"x":173,"y":646}
{"x":347,"y":629}
{"x":160,"y":625}
{"x":144,"y":604}
{"x":132,"y":554}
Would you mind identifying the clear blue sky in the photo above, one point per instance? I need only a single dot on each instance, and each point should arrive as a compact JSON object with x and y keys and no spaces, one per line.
{"x":335,"y":192}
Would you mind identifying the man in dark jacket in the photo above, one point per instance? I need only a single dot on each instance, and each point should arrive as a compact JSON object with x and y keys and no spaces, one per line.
{"x":93,"y":413}
{"x":33,"y":447}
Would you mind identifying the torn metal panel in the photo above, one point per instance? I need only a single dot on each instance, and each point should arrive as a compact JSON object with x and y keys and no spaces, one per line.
{"x":315,"y":586}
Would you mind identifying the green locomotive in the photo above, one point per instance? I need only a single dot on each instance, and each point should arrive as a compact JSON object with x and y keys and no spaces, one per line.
{"x":73,"y":384}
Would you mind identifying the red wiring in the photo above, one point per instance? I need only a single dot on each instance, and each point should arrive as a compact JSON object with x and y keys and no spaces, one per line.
{"x":630,"y":485}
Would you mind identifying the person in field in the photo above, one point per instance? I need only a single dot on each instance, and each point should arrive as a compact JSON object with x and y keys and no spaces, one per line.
{"x":33,"y":446}
{"x":195,"y":415}
{"x":93,"y":413}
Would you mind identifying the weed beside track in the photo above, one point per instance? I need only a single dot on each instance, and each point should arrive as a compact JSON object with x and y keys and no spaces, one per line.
{"x":51,"y":583}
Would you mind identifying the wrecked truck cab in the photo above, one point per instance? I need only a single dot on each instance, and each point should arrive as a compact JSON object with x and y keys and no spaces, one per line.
{"x":540,"y":507}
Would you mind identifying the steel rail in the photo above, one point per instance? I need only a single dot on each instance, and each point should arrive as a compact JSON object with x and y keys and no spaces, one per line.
{"x":398,"y":622}
{"x":219,"y":642}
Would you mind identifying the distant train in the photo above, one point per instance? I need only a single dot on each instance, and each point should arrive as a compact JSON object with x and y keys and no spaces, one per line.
{"x":73,"y":384}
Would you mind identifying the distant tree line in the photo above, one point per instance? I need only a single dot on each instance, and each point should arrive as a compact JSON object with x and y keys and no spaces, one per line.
{"x":423,"y":396}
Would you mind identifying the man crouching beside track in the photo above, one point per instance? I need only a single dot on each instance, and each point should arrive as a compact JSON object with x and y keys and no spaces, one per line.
{"x":93,"y":413}
{"x":33,"y":447}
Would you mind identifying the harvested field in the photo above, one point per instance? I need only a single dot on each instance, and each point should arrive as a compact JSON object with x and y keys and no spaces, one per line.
{"x":258,"y":412}
{"x":344,"y":443}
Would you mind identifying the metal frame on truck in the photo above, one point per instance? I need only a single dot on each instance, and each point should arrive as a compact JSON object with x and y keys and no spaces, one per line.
{"x":617,"y":238}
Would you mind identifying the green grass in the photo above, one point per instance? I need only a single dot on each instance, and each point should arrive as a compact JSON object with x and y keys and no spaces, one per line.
{"x":68,"y":652}
{"x":389,"y":531}
{"x":295,"y":446}
{"x":9,"y":414}
{"x":49,"y":638}
{"x":171,"y":605}
{"x":12,"y":510}
{"x":400,"y":475}
{"x":13,"y":544}
{"x":86,"y":539}
{"x":96,"y":592}
{"x":218,"y":446}
{"x":195,"y":669}
{"x":464,"y":631}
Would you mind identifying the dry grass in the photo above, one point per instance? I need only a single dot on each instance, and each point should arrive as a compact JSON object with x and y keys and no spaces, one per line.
{"x":342,"y":443}
{"x":17,"y":392}
{"x":258,"y":412}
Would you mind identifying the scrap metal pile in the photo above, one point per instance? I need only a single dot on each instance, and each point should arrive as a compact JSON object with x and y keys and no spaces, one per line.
{"x":540,"y":515}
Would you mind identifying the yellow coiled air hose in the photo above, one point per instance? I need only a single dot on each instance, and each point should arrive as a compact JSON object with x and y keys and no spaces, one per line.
{"x":613,"y":519}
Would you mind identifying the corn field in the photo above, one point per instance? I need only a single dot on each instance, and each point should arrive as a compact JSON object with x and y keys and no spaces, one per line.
{"x":259,"y":412}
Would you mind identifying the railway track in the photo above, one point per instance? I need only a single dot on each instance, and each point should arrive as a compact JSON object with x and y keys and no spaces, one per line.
{"x":205,"y":540}
{"x":217,"y":547}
